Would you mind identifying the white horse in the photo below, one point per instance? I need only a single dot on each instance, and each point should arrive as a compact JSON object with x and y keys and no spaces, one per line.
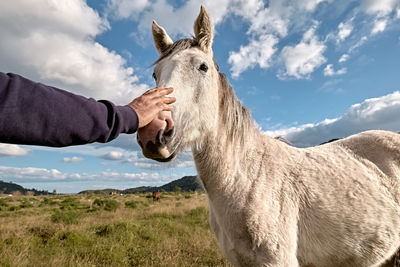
{"x":272,"y":204}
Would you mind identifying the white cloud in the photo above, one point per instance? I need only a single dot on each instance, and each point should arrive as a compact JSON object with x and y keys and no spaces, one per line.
{"x":53,"y":42}
{"x":30,"y":173}
{"x":11,"y":150}
{"x":345,"y":30}
{"x":332,"y":86}
{"x":379,"y":7}
{"x":398,"y":13}
{"x":266,"y":21}
{"x":179,"y":21}
{"x":302,"y":59}
{"x":344,"y":58}
{"x":72,"y":159}
{"x":379,"y":26}
{"x":125,"y":150}
{"x":40,"y":175}
{"x":310,"y":5}
{"x":113,"y":155}
{"x":271,"y":20}
{"x":127,"y":8}
{"x":329,"y":71}
{"x":245,"y":9}
{"x":257,"y":52}
{"x":375,"y":113}
{"x":184,"y":159}
{"x":358,"y":44}
{"x":266,"y":24}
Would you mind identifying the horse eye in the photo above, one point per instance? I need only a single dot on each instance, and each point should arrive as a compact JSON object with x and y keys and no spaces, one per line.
{"x":154,"y":76}
{"x":203,"y":67}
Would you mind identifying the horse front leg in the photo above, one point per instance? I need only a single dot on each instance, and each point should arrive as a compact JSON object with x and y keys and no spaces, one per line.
{"x":279,"y":250}
{"x":286,"y":258}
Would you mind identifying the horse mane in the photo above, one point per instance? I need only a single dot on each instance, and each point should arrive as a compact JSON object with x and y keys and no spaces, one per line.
{"x":235,"y":117}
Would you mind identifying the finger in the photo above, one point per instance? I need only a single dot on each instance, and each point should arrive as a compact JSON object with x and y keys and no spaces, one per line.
{"x":164,"y":91}
{"x":154,"y":90}
{"x":149,"y":92}
{"x":169,"y":100}
{"x":165,"y":99}
{"x":167,"y":108}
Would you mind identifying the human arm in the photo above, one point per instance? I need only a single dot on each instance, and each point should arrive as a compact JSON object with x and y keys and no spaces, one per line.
{"x":35,"y":114}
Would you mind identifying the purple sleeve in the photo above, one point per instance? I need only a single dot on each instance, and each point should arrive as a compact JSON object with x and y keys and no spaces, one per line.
{"x":35,"y":114}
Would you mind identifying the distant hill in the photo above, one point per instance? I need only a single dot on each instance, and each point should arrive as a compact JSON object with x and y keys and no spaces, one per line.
{"x":141,"y":189}
{"x":10,"y":188}
{"x":186,"y":183}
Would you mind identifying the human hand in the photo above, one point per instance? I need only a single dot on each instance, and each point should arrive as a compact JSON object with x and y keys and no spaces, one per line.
{"x":152,"y":102}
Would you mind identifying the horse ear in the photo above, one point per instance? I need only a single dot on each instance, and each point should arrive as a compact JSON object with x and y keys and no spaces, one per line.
{"x":203,"y":30}
{"x":161,"y":39}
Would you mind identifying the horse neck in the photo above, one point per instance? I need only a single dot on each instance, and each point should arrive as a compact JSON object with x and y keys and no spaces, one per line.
{"x":222,"y":159}
{"x":218,"y":161}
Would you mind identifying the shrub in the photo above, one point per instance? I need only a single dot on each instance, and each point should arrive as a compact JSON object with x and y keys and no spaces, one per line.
{"x":131,"y":204}
{"x":106,"y":204}
{"x":78,"y":241}
{"x":198,"y":212}
{"x":48,"y":201}
{"x":117,"y":229}
{"x":69,"y":203}
{"x":177,"y":189}
{"x":25,"y":204}
{"x":111,"y":205}
{"x":14,"y":208}
{"x":3,"y":202}
{"x":65,"y":216}
{"x":103,"y":230}
{"x":44,"y":232}
{"x":98,"y":202}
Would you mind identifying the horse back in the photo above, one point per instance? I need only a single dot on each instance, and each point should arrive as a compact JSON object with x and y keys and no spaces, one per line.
{"x":381,"y":148}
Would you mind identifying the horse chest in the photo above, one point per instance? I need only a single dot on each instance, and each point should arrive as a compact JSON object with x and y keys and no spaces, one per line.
{"x":234,"y":239}
{"x":243,"y":236}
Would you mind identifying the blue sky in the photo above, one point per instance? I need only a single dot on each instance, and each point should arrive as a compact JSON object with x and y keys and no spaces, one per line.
{"x":309,"y":70}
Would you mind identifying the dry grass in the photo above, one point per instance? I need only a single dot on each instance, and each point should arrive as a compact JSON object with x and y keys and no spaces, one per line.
{"x":81,"y":231}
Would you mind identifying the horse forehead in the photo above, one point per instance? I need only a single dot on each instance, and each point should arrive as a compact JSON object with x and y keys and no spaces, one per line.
{"x":182,"y":57}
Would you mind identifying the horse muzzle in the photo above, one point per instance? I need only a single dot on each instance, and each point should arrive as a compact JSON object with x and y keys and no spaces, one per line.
{"x":155,"y":138}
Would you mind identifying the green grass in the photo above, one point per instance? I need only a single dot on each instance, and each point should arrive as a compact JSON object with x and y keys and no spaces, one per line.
{"x":93,"y":230}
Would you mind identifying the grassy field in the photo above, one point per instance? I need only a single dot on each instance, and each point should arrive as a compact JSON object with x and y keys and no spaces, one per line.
{"x":94,"y":230}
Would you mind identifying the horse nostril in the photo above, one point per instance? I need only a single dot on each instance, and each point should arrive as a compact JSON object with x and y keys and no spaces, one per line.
{"x":164,"y":137}
{"x":160,"y":137}
{"x":170,"y":124}
{"x":169,"y":133}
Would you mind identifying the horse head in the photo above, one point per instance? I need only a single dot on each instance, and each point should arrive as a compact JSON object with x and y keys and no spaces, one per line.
{"x":188,"y":66}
